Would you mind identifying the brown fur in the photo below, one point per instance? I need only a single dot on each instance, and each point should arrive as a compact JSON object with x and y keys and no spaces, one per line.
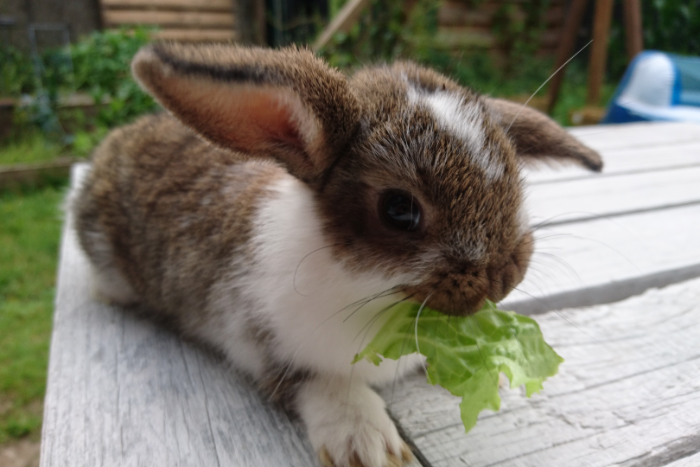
{"x":193,"y":81}
{"x":157,"y":191}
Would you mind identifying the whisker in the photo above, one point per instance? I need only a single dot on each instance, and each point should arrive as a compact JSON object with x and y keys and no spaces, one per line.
{"x":296,"y":270}
{"x":298,"y":349}
{"x":373,"y":297}
{"x":383,"y":310}
{"x":546,"y":81}
{"x":386,"y":293}
{"x":561,"y":262}
{"x":420,"y":310}
{"x":369,"y":327}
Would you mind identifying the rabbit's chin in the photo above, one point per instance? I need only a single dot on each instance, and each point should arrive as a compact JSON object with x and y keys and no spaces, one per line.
{"x":309,"y":311}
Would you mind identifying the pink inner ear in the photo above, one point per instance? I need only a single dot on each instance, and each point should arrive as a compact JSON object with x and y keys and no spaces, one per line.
{"x":246,"y":118}
{"x":257,"y":118}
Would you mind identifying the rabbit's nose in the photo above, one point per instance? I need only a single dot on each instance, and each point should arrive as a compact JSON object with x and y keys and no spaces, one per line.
{"x":504,"y":277}
{"x":462,"y":292}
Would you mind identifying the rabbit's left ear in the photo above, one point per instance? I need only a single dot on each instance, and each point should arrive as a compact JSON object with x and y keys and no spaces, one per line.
{"x":284,"y":104}
{"x":536,"y":136}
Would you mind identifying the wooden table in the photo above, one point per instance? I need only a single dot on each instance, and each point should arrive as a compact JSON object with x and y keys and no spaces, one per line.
{"x":124,"y":392}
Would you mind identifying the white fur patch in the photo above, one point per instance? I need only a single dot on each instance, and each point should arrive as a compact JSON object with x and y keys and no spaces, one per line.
{"x":463,"y":120}
{"x":307,"y":295}
{"x":107,"y":283}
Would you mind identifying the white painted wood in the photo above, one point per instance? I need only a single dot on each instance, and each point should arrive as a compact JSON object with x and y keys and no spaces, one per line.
{"x":646,"y":236}
{"x":604,"y":256}
{"x":604,"y":196}
{"x":690,"y":461}
{"x":627,"y":395}
{"x":123,"y":391}
{"x":624,"y":161}
{"x":636,"y":135}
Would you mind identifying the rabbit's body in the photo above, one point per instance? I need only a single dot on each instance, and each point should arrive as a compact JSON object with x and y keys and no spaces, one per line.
{"x":322,"y":202}
{"x":209,"y":240}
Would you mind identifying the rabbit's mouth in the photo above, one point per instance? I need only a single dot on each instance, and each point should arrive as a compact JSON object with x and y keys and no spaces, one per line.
{"x":461,"y":291}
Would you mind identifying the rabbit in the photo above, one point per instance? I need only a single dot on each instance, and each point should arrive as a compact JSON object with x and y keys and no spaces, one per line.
{"x":279,"y":207}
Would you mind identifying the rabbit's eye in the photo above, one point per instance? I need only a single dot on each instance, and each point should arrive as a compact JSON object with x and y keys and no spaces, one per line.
{"x":399,"y":210}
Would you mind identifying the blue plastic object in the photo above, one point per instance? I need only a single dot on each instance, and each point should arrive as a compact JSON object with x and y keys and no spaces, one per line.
{"x":657,"y":86}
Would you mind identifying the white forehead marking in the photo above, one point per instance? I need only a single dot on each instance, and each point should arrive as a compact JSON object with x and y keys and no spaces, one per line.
{"x":463,"y":121}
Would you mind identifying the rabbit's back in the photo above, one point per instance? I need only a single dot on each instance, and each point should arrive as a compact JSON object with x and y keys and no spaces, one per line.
{"x":169,"y":211}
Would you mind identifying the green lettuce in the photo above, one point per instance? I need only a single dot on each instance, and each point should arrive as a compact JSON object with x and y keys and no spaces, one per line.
{"x":466,"y":354}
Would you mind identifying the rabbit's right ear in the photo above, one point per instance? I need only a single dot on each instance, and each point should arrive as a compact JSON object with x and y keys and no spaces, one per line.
{"x":285,"y":104}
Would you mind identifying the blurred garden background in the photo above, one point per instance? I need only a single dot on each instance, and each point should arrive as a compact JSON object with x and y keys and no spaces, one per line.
{"x":65,"y":81}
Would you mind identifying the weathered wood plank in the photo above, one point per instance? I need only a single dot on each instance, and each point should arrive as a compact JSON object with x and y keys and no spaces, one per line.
{"x":169,"y":18}
{"x":196,"y":35}
{"x":608,"y":259}
{"x":690,"y":461}
{"x":14,"y":176}
{"x":199,"y":5}
{"x":595,"y":197}
{"x":627,"y":395}
{"x":457,"y":13}
{"x":454,"y":37}
{"x":636,"y":135}
{"x":635,"y":244}
{"x":123,"y":391}
{"x":631,"y":161}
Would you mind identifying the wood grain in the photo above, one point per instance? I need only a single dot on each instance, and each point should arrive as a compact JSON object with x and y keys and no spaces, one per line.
{"x":627,"y":395}
{"x":624,"y":162}
{"x":565,"y":49}
{"x":196,"y":35}
{"x":599,"y":49}
{"x":222,"y":5}
{"x":169,"y":18}
{"x":603,"y":238}
{"x":596,"y":197}
{"x":588,"y":260}
{"x":636,"y":135}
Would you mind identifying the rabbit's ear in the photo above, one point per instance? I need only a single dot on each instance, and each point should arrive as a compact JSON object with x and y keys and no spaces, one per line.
{"x":284,"y":104}
{"x":538,"y":137}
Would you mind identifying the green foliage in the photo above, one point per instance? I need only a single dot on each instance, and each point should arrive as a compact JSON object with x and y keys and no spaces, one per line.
{"x":387,"y":31}
{"x":32,"y":147}
{"x":99,"y":65}
{"x":466,"y":354}
{"x":668,"y":25}
{"x":672,"y":25}
{"x":29,"y":236}
{"x":102,"y":68}
{"x":518,"y":28}
{"x":16,"y":72}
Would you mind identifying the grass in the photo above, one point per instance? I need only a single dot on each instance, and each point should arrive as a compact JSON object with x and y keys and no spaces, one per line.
{"x":29,"y":238}
{"x":28,"y":149}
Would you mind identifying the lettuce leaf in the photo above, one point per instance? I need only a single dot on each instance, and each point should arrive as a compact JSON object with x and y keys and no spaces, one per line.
{"x":466,"y":354}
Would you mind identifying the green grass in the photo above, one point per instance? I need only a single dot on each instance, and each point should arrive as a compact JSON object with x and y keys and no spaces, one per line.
{"x":31,"y":148}
{"x":29,"y":238}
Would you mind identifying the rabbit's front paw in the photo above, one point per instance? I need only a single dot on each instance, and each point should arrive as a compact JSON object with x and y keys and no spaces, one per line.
{"x":349,"y":426}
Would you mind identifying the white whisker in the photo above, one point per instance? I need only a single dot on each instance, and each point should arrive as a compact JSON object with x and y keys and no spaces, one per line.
{"x":546,"y":81}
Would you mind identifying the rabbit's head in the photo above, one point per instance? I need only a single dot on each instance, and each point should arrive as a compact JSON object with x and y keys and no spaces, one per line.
{"x":413,"y":176}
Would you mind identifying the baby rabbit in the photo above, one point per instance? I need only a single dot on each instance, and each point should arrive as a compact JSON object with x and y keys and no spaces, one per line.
{"x":280,"y":207}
